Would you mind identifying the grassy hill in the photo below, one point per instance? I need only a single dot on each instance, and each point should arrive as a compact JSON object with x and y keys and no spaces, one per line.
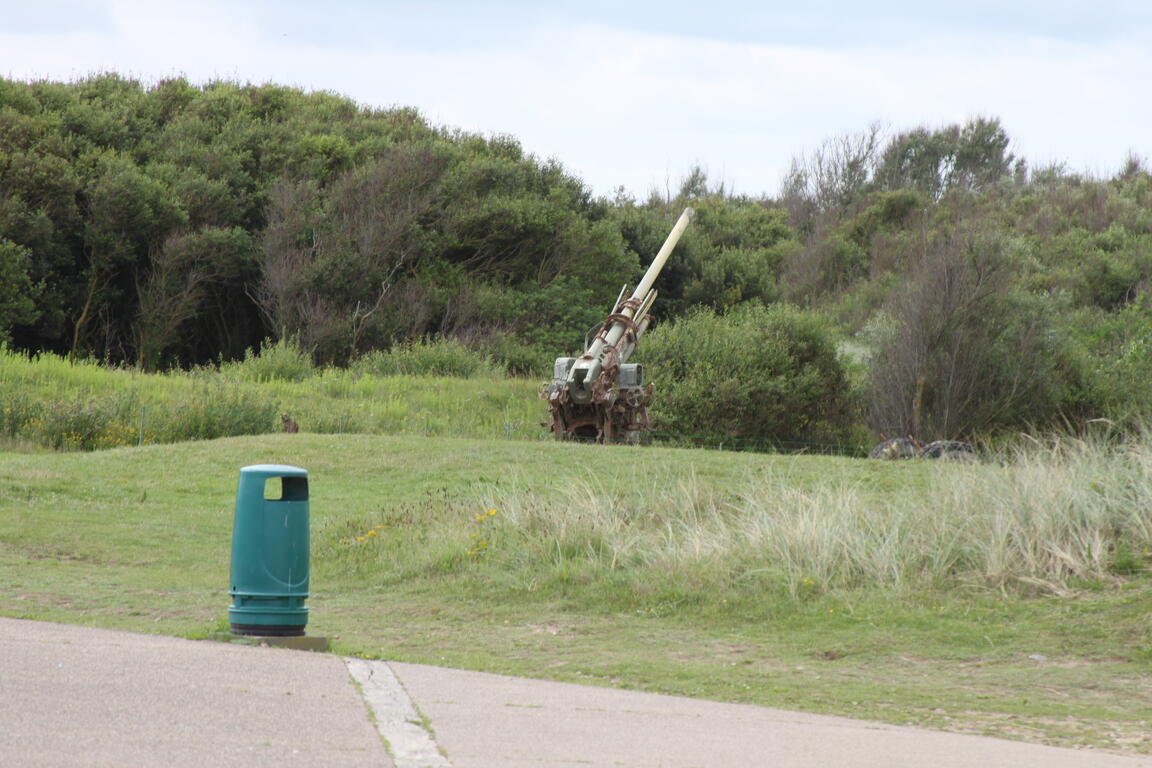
{"x":1005,"y":598}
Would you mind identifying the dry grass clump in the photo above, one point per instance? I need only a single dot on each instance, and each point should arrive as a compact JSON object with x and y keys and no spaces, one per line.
{"x":1042,"y":519}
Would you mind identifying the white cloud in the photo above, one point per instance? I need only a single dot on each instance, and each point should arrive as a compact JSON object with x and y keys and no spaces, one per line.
{"x":630,"y":108}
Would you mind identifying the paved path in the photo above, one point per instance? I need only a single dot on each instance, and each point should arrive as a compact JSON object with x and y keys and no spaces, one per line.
{"x":72,"y":696}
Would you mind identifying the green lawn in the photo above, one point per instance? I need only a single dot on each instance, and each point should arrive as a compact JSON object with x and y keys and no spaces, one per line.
{"x":631,"y":567}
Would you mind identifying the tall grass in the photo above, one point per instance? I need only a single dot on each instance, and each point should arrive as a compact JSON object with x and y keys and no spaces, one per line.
{"x":274,"y":361}
{"x":435,"y":357}
{"x":49,"y":401}
{"x":1071,"y":515}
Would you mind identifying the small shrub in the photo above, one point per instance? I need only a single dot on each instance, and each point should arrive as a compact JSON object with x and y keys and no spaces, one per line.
{"x":435,"y":357}
{"x":1127,"y":561}
{"x":519,"y":358}
{"x":81,"y":421}
{"x":217,"y":409}
{"x":275,"y":361}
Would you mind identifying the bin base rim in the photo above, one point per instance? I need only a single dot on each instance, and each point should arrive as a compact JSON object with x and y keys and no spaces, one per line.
{"x":268,"y":630}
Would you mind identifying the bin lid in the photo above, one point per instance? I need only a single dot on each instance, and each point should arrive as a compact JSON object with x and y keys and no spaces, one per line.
{"x":274,"y":470}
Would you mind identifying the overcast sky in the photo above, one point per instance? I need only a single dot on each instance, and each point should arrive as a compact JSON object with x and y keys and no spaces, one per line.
{"x":634,"y":93}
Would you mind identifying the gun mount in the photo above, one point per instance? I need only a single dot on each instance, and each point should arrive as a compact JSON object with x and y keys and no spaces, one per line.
{"x":599,"y":395}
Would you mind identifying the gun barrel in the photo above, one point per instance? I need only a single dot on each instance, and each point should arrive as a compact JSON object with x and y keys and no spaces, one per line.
{"x":649,"y":278}
{"x":586,"y":370}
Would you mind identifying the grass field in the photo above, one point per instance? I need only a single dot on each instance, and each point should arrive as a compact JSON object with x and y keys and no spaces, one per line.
{"x":1008,"y":598}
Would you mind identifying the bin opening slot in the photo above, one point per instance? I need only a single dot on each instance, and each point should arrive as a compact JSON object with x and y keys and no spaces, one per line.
{"x":286,"y":489}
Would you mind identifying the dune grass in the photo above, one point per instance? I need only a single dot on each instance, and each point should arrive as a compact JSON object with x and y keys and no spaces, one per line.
{"x":1010,"y":598}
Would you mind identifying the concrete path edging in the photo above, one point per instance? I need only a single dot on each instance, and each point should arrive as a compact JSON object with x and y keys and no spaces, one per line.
{"x":397,"y":719}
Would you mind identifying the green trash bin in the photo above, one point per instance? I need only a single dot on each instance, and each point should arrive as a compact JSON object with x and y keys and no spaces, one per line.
{"x":269,"y":574}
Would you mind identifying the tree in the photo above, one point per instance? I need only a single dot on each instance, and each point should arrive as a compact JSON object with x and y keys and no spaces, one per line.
{"x":961,"y":350}
{"x":830,"y":179}
{"x":128,"y":217}
{"x":17,"y":295}
{"x":971,"y":157}
{"x":289,"y":246}
{"x":331,"y":260}
{"x":39,"y":188}
{"x":180,"y":276}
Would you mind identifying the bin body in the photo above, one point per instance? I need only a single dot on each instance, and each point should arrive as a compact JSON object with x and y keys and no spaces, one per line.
{"x":269,"y":573}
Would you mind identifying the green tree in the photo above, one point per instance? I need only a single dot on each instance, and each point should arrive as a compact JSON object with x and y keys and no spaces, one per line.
{"x":128,"y":217}
{"x":972,"y":156}
{"x":180,"y":276}
{"x":17,"y":295}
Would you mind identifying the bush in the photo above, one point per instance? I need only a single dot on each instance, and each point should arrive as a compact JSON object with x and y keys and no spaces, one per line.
{"x":1119,"y":360}
{"x":756,"y":374}
{"x":518,"y":357}
{"x":275,"y":361}
{"x":961,"y":352}
{"x":215,"y":409}
{"x":435,"y":357}
{"x":82,"y":422}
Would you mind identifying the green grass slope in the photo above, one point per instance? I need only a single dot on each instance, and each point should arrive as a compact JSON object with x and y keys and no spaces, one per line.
{"x":1009,"y":599}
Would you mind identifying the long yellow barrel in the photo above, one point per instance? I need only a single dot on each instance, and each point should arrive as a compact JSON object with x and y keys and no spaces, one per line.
{"x":661,"y":257}
{"x":587,"y":369}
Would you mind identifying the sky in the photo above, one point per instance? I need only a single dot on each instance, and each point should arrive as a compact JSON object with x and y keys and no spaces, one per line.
{"x":635,"y":94}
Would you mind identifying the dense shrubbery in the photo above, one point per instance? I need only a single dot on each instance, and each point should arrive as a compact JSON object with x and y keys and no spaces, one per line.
{"x":985,"y":296}
{"x":81,"y":419}
{"x":754,"y":376}
{"x":175,"y":225}
{"x":178,"y":224}
{"x":962,"y":350}
{"x":1118,"y":355}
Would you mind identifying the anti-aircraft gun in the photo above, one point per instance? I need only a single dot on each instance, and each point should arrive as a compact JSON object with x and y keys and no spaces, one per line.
{"x":600,"y":395}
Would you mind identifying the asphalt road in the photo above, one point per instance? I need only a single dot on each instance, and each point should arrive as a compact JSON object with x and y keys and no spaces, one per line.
{"x":75,"y":696}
